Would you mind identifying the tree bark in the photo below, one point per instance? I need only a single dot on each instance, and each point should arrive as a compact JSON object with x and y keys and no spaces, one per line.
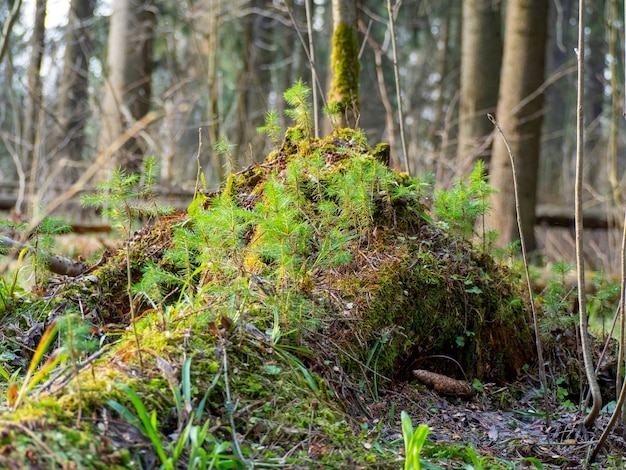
{"x":129,"y":76}
{"x":523,"y":67}
{"x":74,"y":106}
{"x":556,"y":173}
{"x":481,"y":58}
{"x":254,"y":82}
{"x":343,"y":96}
{"x":213,"y":109}
{"x":35,"y":96}
{"x":595,"y":60}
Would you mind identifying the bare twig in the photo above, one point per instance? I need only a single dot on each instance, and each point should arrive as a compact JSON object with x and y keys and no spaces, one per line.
{"x":542,"y":366}
{"x":382,"y":90}
{"x":8,"y":26}
{"x":578,"y":216}
{"x":101,"y":160}
{"x":396,"y":74}
{"x":311,"y":55}
{"x":229,"y":406}
{"x":617,"y":412}
{"x":621,"y":356}
{"x":37,"y":440}
{"x":198,"y":165}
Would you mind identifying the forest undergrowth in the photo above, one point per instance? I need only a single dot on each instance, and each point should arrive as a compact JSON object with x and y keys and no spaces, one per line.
{"x":319,"y":310}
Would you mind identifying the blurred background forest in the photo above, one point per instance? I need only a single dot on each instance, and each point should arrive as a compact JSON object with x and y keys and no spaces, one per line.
{"x":75,"y":77}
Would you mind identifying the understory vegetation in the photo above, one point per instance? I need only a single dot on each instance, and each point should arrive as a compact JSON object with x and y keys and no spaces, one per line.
{"x":280,"y":322}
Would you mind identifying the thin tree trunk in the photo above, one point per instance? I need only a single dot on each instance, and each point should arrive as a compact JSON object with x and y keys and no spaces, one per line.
{"x":595,"y":83}
{"x":389,"y":112}
{"x":594,"y":388}
{"x":7,"y":27}
{"x":438,"y":105}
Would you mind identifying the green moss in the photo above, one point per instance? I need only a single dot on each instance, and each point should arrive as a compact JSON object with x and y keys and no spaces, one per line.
{"x":344,"y":86}
{"x":382,"y":153}
{"x":423,"y":305}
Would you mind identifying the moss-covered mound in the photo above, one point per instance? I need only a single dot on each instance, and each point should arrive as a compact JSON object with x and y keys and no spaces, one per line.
{"x":346,"y":235}
{"x":266,"y":318}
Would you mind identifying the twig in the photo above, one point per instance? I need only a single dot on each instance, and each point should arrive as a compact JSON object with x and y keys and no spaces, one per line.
{"x":8,"y":27}
{"x":396,"y":75}
{"x":101,"y":160}
{"x":382,"y":90}
{"x":198,"y":165}
{"x":542,"y":366}
{"x":229,"y":406}
{"x":622,"y":318}
{"x":311,"y":55}
{"x":617,"y":412}
{"x":578,"y":218}
{"x":37,"y":441}
{"x":306,"y":51}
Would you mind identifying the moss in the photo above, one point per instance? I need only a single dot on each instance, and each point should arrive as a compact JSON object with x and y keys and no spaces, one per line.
{"x":382,"y":153}
{"x":344,"y":86}
{"x":424,"y":302}
{"x":65,"y":447}
{"x":230,"y":187}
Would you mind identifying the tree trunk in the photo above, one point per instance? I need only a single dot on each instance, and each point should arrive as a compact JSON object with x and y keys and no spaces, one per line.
{"x":35,"y":96}
{"x":481,"y":58}
{"x":129,"y":76}
{"x":74,"y":106}
{"x":520,"y":118}
{"x":556,"y":172}
{"x":343,"y":97}
{"x":259,"y":71}
{"x":254,"y":84}
{"x":595,"y":58}
{"x":213,"y":110}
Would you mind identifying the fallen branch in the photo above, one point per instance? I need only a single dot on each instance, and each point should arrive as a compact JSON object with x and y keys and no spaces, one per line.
{"x":55,"y":263}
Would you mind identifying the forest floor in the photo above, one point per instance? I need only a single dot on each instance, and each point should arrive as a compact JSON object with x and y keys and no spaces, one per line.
{"x":498,"y":430}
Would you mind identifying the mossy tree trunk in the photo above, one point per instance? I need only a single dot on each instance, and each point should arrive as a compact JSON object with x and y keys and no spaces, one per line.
{"x":343,"y":97}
